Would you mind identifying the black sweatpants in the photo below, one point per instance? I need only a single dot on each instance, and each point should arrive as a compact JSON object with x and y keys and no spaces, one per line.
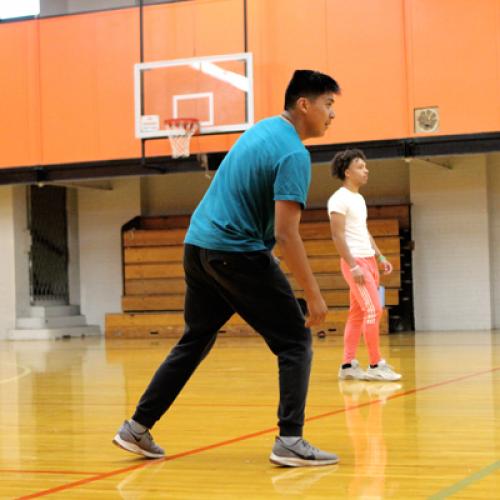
{"x":253,"y":285}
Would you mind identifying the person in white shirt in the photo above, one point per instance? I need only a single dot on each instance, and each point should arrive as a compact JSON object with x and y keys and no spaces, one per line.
{"x":359,"y":253}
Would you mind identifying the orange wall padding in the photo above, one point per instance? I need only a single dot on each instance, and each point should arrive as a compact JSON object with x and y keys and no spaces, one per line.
{"x":20,"y":132}
{"x":455,"y":62}
{"x":67,"y":82}
{"x":86,"y":70}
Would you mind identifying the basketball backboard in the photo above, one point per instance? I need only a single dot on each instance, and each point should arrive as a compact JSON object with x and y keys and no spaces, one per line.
{"x":216,"y":90}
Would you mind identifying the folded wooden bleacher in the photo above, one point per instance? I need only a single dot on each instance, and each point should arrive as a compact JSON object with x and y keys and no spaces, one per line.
{"x":153,"y":276}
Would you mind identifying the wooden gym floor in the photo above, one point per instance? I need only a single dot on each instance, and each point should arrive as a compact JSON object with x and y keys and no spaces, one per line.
{"x":435,"y":435}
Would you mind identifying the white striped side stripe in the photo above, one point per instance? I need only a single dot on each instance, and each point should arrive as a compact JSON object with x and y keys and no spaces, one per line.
{"x":370,"y":308}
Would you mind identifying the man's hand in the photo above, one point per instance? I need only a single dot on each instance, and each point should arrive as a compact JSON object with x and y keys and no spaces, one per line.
{"x":386,"y":265}
{"x":357,"y":274}
{"x":286,"y":230}
{"x":317,"y":309}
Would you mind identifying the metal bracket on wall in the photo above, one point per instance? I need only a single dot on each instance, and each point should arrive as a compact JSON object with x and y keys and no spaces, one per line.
{"x":99,"y":186}
{"x":429,"y":162}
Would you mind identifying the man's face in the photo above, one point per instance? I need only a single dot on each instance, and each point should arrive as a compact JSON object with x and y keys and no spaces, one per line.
{"x":319,"y":114}
{"x":357,"y":172}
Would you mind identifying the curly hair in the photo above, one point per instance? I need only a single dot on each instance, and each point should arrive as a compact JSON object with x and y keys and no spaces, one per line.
{"x":343,"y":159}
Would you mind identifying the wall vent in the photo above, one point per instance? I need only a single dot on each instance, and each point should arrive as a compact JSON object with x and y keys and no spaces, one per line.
{"x":426,"y":120}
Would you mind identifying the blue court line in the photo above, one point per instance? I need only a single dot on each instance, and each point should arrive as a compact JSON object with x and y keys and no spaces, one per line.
{"x":464,"y":483}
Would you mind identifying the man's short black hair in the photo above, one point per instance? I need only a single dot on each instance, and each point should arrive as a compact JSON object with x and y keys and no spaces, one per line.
{"x":308,"y":83}
{"x":343,"y":159}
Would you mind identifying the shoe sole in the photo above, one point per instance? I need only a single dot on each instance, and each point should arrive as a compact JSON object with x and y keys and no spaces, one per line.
{"x":381,"y":379}
{"x":300,"y":462}
{"x":350,"y":377}
{"x":133,"y":448}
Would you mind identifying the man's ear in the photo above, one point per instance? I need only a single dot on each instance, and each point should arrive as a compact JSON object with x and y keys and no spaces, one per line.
{"x":302,"y":104}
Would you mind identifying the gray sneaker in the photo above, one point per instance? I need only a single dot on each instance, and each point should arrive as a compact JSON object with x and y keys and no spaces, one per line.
{"x":300,"y":454}
{"x":142,"y":444}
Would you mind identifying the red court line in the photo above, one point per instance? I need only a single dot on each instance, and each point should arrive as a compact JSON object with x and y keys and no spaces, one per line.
{"x":67,"y":472}
{"x":195,"y":451}
{"x":238,"y":405}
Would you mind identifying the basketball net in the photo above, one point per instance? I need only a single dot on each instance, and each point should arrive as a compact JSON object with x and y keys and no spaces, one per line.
{"x":180,"y":132}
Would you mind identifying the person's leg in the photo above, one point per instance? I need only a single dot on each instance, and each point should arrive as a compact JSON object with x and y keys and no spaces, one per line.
{"x":258,"y":290}
{"x":368,"y":299}
{"x":350,"y":368}
{"x":354,"y":325}
{"x":353,"y":329}
{"x":378,"y":369}
{"x":205,"y":312}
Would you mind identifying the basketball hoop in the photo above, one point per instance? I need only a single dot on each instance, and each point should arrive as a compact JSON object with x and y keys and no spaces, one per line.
{"x":180,"y":131}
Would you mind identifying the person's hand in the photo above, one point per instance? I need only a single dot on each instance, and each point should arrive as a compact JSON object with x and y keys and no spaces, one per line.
{"x":317,"y":310}
{"x":386,"y":265}
{"x":357,"y":274}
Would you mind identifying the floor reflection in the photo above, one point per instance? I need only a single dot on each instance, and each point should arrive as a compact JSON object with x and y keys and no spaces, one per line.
{"x":297,"y":481}
{"x":141,"y":483}
{"x":365,"y":429}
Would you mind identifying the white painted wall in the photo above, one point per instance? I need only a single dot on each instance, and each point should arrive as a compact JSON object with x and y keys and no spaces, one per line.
{"x":494,"y":217}
{"x":14,"y":264}
{"x":451,"y":262}
{"x":173,"y":194}
{"x":389,"y":183}
{"x":7,"y":262}
{"x":180,"y":193}
{"x":22,"y":245}
{"x":101,"y":216}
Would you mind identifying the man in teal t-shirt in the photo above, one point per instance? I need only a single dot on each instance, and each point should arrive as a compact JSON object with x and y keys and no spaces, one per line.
{"x":267,"y":164}
{"x":255,"y":199}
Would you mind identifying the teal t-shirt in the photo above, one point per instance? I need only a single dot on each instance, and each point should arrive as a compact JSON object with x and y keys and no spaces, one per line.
{"x":267,"y":163}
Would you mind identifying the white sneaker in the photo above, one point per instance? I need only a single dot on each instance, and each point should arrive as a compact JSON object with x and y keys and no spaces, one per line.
{"x":355,"y":372}
{"x":382,"y":371}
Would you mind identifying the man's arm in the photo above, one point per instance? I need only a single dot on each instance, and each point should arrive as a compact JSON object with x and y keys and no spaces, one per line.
{"x":386,"y":265}
{"x":286,"y":229}
{"x":337,"y":227}
{"x":378,"y":253}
